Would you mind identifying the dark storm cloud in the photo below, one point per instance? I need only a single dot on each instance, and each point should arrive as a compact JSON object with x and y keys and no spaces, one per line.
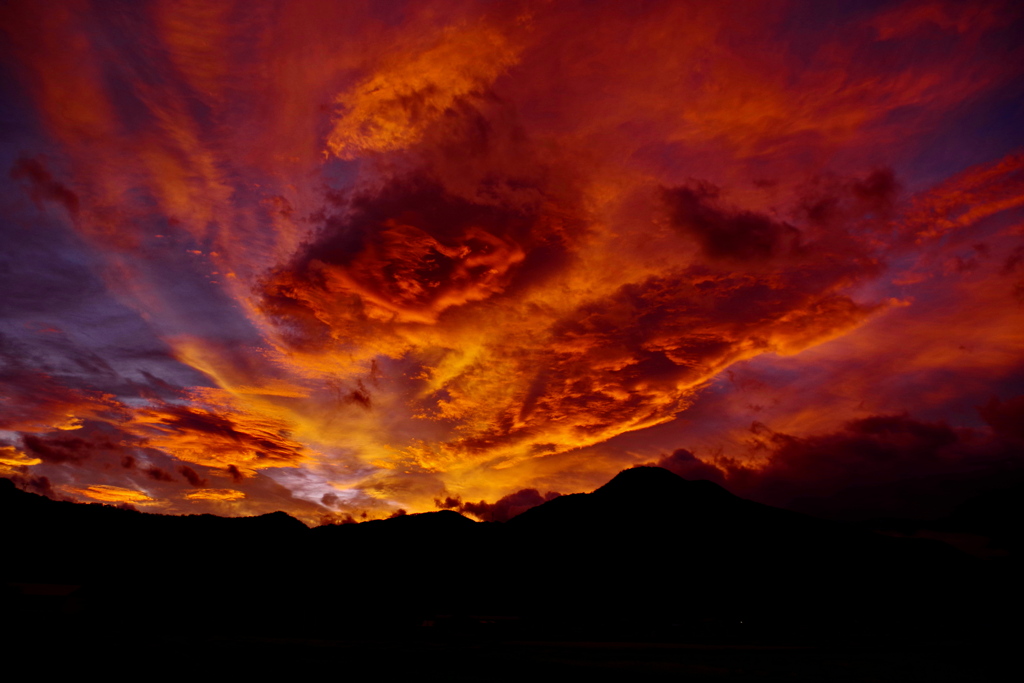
{"x":832,"y":201}
{"x":1006,"y":417}
{"x":1011,"y":265}
{"x":878,"y":191}
{"x":688,"y":466}
{"x":35,"y":484}
{"x":502,"y":510}
{"x":724,"y":234}
{"x":359,"y":396}
{"x":67,"y":449}
{"x":885,"y":465}
{"x":336,"y":519}
{"x":158,"y":474}
{"x":191,"y":476}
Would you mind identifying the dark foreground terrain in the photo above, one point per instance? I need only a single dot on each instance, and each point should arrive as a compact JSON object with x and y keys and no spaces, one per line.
{"x":650,"y":576}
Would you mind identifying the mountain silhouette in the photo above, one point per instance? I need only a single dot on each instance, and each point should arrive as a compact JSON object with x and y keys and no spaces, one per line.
{"x":648,"y":552}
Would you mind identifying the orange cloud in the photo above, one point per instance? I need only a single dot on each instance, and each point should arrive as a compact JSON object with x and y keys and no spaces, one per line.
{"x":967,"y":198}
{"x":109,"y":494}
{"x":394,"y":107}
{"x":215,"y":494}
{"x":220,"y":436}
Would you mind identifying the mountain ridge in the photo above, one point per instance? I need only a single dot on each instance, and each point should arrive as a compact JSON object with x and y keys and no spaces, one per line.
{"x":648,"y":548}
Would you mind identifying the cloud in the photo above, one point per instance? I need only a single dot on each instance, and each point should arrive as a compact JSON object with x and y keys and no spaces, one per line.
{"x":215,"y":494}
{"x":332,"y":519}
{"x":1006,"y":418}
{"x":502,"y":510}
{"x":108,"y":494}
{"x":404,"y":254}
{"x":878,"y":191}
{"x":225,"y":435}
{"x":731,"y":236}
{"x":42,"y":186}
{"x":34,"y":484}
{"x":856,"y":206}
{"x":966,"y":198}
{"x":415,"y":90}
{"x":688,"y":466}
{"x":157,"y":474}
{"x":67,"y":449}
{"x":37,"y":402}
{"x":191,"y":476}
{"x":516,"y":353}
{"x":12,"y":457}
{"x":882,"y":465}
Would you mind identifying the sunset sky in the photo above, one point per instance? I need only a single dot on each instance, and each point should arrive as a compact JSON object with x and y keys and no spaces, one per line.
{"x":346,"y":258}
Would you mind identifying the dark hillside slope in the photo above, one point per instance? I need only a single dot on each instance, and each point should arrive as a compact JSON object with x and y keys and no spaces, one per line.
{"x":648,"y":552}
{"x":692,"y":548}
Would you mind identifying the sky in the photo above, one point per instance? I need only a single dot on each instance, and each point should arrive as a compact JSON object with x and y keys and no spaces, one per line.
{"x":350,"y":259}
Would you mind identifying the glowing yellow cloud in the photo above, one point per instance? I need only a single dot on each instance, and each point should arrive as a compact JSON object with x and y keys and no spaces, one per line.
{"x":11,"y":456}
{"x":215,"y":494}
{"x":109,"y":494}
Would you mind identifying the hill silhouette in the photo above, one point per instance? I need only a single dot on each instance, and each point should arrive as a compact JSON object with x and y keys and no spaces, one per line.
{"x":645,"y":555}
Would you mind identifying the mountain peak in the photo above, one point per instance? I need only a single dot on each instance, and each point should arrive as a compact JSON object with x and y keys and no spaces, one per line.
{"x":644,"y":475}
{"x":436,"y":519}
{"x":639,"y":493}
{"x":648,"y":481}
